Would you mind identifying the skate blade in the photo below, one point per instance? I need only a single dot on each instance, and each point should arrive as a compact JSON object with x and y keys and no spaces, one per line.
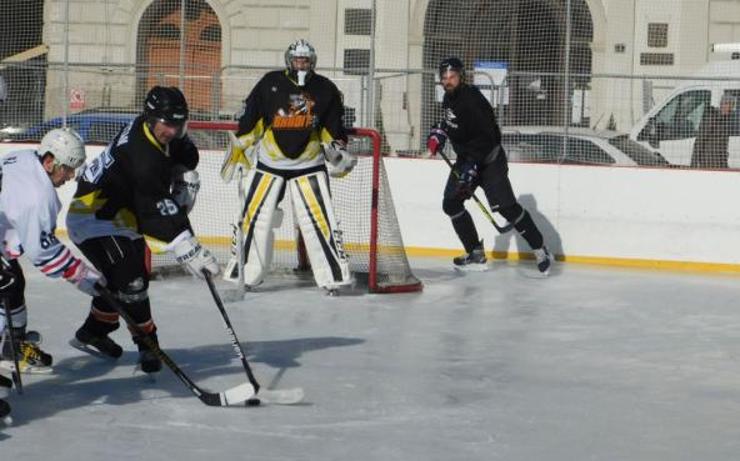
{"x":472,"y":268}
{"x":9,"y":365}
{"x":90,"y":350}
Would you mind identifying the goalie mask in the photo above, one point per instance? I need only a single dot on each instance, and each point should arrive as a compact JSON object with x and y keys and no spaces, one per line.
{"x":65,"y":145}
{"x":300,"y":49}
{"x":167,"y":105}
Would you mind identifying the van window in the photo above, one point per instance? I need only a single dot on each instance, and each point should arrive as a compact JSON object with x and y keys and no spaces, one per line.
{"x":681,"y":117}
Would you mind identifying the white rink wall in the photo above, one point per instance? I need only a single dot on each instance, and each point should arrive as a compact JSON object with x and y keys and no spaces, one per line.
{"x":590,"y":213}
{"x":652,"y":217}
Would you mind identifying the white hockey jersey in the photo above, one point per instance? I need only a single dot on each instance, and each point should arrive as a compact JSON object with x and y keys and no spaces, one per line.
{"x":28,"y":215}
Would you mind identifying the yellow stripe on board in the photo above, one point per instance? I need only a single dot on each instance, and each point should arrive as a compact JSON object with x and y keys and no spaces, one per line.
{"x":425,"y":252}
{"x":656,"y":264}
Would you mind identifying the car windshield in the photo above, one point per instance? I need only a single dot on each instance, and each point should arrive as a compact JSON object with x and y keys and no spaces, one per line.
{"x":636,"y":152}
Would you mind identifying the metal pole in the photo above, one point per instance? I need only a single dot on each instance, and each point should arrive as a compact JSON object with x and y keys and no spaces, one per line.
{"x":566,"y":83}
{"x":65,"y":93}
{"x":181,"y":79}
{"x":371,"y":70}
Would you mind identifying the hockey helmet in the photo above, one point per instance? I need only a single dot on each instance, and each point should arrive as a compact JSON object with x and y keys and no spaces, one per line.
{"x":300,"y":49}
{"x":66,"y":145}
{"x":454,"y":64}
{"x":166,"y":103}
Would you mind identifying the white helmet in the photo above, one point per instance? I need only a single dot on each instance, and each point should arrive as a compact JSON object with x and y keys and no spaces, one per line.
{"x":300,"y":49}
{"x":66,"y":145}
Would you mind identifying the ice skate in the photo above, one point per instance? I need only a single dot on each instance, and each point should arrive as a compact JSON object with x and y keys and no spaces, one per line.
{"x":31,"y":359}
{"x":5,"y":412}
{"x":544,"y":260}
{"x":473,"y":261}
{"x":99,"y":346}
{"x":148,"y":359}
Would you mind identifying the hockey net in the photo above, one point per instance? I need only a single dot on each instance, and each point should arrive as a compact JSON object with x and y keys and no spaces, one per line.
{"x":362,"y":202}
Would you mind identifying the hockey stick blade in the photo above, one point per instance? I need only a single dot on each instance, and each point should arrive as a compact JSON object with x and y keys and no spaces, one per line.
{"x":234,"y":396}
{"x":280,"y":396}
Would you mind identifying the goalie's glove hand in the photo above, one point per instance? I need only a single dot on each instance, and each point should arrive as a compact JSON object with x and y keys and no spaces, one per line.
{"x":467,"y":180}
{"x":341,"y":162}
{"x":84,"y":277}
{"x":196,"y":258}
{"x":437,"y":139}
{"x":237,"y":156}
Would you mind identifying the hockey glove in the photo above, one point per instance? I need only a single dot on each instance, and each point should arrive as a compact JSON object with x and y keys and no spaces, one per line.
{"x":437,"y":139}
{"x":340,"y":161}
{"x":467,"y":180}
{"x":191,"y":254}
{"x":84,"y":277}
{"x":238,"y":156}
{"x":185,"y":187}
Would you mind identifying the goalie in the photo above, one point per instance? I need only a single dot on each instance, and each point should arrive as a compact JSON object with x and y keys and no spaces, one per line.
{"x":290,"y":129}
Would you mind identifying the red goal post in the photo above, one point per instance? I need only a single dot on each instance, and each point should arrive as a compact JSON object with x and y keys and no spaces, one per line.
{"x":362,"y":202}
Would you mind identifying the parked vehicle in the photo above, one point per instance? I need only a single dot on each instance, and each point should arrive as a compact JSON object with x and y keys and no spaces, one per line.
{"x":94,"y":127}
{"x":544,"y":144}
{"x":671,"y":126}
{"x":99,"y":126}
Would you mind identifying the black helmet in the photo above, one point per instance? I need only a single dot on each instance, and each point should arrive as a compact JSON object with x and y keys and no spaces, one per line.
{"x":452,"y":63}
{"x":166,"y":103}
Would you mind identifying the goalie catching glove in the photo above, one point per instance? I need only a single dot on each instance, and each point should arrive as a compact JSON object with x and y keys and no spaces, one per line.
{"x":191,"y":254}
{"x":340,"y":161}
{"x":238,"y":156}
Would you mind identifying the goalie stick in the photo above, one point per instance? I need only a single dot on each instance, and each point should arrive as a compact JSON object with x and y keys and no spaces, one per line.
{"x":238,"y":395}
{"x":278,"y":396}
{"x":501,"y":229}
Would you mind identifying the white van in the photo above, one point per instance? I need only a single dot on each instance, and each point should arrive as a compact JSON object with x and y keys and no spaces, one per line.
{"x":671,"y":126}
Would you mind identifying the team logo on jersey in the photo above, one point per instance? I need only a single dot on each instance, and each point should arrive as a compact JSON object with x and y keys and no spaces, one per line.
{"x":451,"y":118}
{"x":299,"y":115}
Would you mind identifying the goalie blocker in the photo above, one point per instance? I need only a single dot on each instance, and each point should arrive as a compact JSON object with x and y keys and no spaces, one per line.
{"x":314,"y":215}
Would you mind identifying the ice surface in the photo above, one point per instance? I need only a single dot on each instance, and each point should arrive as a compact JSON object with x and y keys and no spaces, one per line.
{"x":591,"y":363}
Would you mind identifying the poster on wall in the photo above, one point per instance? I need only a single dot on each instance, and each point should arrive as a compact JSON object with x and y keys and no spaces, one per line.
{"x":489,"y":76}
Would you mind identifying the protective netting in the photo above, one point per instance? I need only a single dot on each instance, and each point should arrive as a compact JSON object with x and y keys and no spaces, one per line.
{"x":376,"y":252}
{"x":591,"y":82}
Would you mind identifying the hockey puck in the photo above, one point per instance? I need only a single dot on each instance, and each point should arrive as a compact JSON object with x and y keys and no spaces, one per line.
{"x":254,"y":402}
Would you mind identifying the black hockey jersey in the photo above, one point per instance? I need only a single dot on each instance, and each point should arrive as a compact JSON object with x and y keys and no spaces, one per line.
{"x":290,"y":121}
{"x":125,"y":191}
{"x":471,"y":124}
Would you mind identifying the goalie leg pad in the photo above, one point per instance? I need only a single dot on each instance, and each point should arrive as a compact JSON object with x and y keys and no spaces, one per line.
{"x":314,"y":214}
{"x":257,"y":217}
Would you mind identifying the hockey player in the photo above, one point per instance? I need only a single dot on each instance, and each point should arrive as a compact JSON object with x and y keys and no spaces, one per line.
{"x":291,"y":126}
{"x":28,"y":212}
{"x":141,"y":186}
{"x":470,"y":125}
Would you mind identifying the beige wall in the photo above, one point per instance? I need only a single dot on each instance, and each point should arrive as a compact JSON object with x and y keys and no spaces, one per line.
{"x":256,"y":32}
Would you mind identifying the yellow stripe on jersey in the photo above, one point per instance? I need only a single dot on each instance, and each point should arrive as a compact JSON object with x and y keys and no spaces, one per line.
{"x":313,"y":206}
{"x":326,"y":137}
{"x":272,"y":150}
{"x":152,"y":139}
{"x":156,"y":246}
{"x":259,"y":197}
{"x":88,"y":203}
